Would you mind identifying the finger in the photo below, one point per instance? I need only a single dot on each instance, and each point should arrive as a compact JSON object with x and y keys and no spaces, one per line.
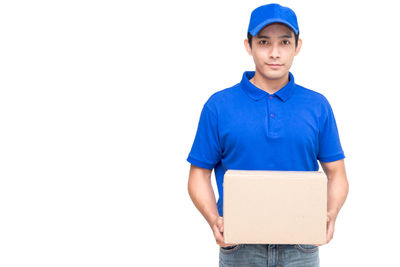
{"x":329,"y":234}
{"x":218,"y":237}
{"x":219,"y":224}
{"x":217,"y":234}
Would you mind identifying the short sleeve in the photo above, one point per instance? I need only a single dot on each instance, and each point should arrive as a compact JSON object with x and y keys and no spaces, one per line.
{"x":206,"y":149}
{"x":330,"y":148}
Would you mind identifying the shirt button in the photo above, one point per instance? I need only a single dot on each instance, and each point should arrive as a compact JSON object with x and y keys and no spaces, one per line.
{"x":272,"y":115}
{"x":271,"y":97}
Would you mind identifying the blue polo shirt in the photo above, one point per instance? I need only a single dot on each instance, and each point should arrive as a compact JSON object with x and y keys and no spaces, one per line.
{"x":245,"y":128}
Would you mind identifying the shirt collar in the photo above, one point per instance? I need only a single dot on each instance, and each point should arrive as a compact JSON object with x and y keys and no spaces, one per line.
{"x":256,"y":93}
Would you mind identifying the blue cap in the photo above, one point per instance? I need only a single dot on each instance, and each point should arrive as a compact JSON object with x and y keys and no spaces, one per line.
{"x":267,"y":14}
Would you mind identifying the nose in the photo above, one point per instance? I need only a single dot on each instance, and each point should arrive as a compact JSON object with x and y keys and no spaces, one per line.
{"x":274,"y":53}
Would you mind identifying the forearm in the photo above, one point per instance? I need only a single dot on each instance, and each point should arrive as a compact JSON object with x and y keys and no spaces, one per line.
{"x":338,"y":188}
{"x":202,"y":195}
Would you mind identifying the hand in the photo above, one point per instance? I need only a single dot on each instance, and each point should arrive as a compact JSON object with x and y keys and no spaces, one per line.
{"x":330,"y":228}
{"x":218,"y":229}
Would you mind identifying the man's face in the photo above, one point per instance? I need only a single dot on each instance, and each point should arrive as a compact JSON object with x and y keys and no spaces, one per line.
{"x":273,"y":50}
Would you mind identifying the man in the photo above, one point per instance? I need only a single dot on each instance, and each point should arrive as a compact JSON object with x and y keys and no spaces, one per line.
{"x":266,"y":122}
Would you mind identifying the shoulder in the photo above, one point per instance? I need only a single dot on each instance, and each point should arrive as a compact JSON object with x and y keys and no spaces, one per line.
{"x":221,"y":98}
{"x":317,"y":99}
{"x":310,"y":94}
{"x":317,"y":102}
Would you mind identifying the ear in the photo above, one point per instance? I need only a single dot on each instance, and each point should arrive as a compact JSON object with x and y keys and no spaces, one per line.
{"x":247,"y":46}
{"x":299,"y":44}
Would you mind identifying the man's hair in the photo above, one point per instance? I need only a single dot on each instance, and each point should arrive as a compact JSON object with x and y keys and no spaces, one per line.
{"x":296,"y":38}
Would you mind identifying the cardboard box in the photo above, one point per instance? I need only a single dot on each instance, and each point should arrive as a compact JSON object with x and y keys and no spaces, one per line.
{"x":275,"y":207}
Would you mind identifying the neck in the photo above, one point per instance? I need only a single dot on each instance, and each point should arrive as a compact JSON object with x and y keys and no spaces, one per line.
{"x":269,"y":85}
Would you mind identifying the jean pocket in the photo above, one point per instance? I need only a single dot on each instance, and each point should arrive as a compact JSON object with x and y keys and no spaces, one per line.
{"x":230,"y":249}
{"x":306,"y":248}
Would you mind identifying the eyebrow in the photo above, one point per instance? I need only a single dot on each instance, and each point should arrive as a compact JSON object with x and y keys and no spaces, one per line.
{"x":267,"y":37}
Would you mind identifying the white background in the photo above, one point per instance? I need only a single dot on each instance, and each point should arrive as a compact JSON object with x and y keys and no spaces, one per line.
{"x":99,"y":106}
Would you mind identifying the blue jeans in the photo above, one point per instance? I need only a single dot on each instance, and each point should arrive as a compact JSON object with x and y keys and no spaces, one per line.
{"x":269,"y":255}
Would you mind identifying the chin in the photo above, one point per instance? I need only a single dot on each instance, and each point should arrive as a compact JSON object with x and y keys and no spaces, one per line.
{"x":274,"y":75}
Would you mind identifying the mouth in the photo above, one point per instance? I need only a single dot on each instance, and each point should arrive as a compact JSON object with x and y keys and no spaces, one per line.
{"x":275,"y":66}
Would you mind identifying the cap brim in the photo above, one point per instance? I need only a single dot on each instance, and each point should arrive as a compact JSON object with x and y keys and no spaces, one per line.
{"x":256,"y":29}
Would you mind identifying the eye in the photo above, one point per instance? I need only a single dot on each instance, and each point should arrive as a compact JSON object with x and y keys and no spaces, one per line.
{"x":263,"y":42}
{"x":286,"y":42}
